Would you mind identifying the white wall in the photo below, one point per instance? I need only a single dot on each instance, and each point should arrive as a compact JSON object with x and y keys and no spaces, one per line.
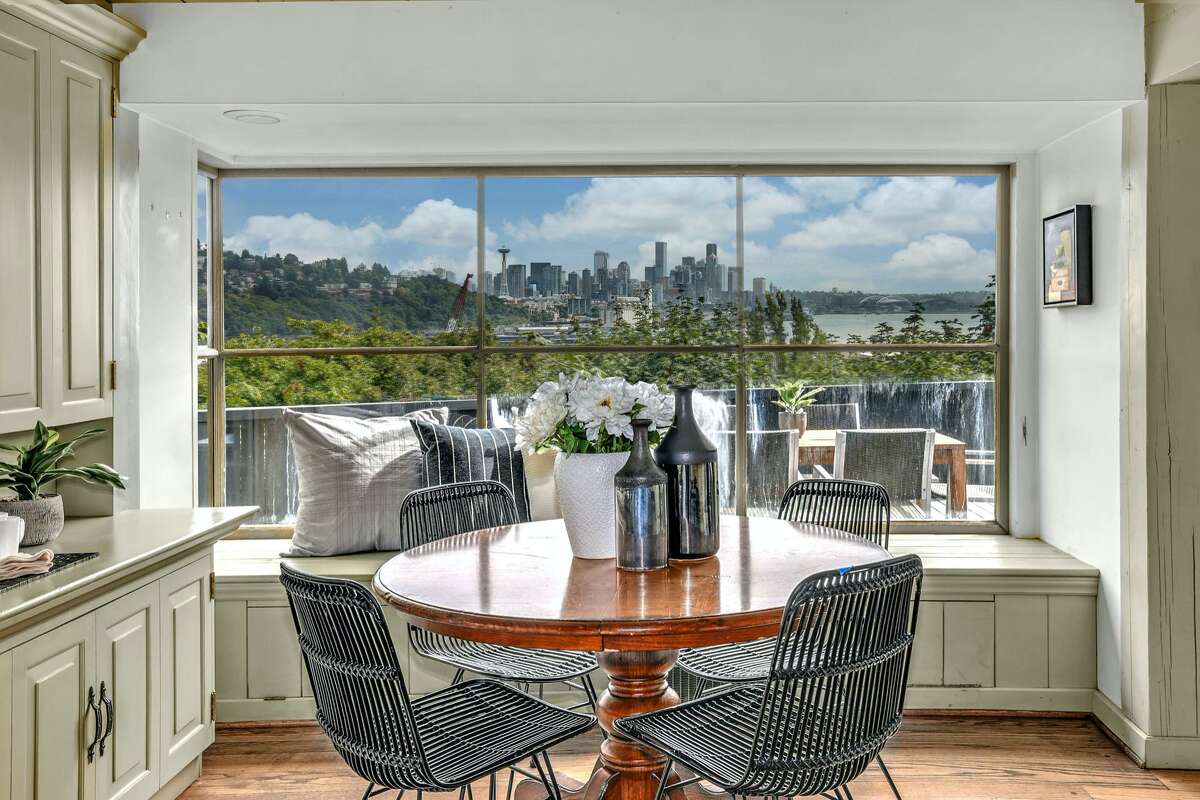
{"x":155,"y":399}
{"x":1079,"y":378}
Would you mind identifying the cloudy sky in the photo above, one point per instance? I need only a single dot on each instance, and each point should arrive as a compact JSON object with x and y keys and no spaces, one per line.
{"x":874,"y":234}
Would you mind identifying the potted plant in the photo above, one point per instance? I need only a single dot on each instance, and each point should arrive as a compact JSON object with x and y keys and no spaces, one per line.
{"x":794,"y":399}
{"x":588,"y":420}
{"x":38,"y":465}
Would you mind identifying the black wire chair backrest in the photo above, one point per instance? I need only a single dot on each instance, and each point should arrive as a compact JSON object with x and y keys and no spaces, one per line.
{"x":859,"y":507}
{"x":835,"y":693}
{"x":429,"y":515}
{"x":362,"y":703}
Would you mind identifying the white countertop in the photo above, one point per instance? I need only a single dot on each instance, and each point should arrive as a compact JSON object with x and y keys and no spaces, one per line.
{"x":128,"y":542}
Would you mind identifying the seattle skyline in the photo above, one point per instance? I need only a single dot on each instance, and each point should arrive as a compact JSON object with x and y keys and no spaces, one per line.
{"x":889,"y":234}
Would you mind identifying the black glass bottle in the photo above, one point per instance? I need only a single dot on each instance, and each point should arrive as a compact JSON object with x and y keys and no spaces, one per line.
{"x":641,"y":512}
{"x":690,"y":461}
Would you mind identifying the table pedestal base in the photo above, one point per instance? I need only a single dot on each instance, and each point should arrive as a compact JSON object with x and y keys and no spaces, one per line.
{"x":626,"y":770}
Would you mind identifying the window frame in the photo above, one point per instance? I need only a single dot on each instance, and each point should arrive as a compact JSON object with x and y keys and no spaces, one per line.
{"x":215,"y":355}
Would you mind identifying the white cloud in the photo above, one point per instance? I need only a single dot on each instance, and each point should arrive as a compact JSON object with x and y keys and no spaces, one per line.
{"x":696,"y":208}
{"x":946,"y":259}
{"x":901,"y":209}
{"x":764,"y":203}
{"x":438,"y":222}
{"x":309,"y":237}
{"x":433,"y":223}
{"x":830,"y":189}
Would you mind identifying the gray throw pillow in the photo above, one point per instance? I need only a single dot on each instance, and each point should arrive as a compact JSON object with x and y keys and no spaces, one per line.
{"x":353,"y":475}
{"x":458,"y":455}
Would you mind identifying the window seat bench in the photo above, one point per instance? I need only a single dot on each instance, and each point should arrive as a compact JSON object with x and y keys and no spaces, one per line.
{"x":1005,"y":624}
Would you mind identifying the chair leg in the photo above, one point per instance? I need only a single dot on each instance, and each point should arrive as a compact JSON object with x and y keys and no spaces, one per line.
{"x":548,"y":778}
{"x":458,"y":676}
{"x":492,"y":786}
{"x":553,"y":777}
{"x":589,"y":689}
{"x":888,"y":775}
{"x":662,"y":781}
{"x":367,"y":793}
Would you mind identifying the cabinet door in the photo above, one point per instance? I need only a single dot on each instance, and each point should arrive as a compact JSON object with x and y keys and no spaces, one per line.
{"x":24,"y":246}
{"x":81,"y":135}
{"x":127,"y":659}
{"x":187,"y":665}
{"x":51,"y":722}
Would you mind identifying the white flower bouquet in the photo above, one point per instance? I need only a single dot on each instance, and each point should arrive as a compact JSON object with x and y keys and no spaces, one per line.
{"x":587,"y":413}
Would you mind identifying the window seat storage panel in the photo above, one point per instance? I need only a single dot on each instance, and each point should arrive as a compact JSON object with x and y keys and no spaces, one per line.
{"x":1006,"y":624}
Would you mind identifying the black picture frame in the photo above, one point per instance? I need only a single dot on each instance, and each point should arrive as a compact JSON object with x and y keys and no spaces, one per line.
{"x":1067,"y":258}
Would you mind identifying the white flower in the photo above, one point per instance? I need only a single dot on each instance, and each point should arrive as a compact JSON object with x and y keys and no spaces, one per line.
{"x":547,"y":408}
{"x":657,"y":406}
{"x":603,"y":403}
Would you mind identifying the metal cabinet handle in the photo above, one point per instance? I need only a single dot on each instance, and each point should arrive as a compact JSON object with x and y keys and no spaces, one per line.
{"x":108,"y":714}
{"x":96,"y":712}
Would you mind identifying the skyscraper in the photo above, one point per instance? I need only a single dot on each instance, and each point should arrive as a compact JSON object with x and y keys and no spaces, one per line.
{"x":573,"y":283}
{"x":599,"y":260}
{"x":539,"y":276}
{"x":621,"y":284}
{"x":732,"y":286}
{"x":585,"y":288}
{"x":516,"y":280}
{"x":660,"y":255}
{"x":760,"y":286}
{"x":710,"y":252}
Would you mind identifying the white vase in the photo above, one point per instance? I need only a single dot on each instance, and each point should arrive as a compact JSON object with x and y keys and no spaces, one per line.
{"x":587,"y":497}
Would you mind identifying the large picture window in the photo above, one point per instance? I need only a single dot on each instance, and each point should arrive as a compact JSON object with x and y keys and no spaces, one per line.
{"x":880,"y":292}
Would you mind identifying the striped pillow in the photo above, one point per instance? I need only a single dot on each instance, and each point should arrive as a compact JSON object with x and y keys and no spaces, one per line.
{"x":457,"y":455}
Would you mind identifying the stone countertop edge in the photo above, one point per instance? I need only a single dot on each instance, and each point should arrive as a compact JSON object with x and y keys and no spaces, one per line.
{"x":129,"y":542}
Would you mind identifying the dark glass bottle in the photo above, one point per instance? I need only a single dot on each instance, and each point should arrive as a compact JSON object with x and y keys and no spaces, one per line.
{"x":690,"y":461}
{"x":641,"y":512}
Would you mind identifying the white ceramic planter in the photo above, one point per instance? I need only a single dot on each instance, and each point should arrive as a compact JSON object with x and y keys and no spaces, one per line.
{"x":587,"y":497}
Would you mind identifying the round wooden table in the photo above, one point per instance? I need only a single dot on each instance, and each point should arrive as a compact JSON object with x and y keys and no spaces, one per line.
{"x":519,"y":585}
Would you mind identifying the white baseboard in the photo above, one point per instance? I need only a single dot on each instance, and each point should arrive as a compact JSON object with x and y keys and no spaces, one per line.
{"x":1152,"y":752}
{"x":931,"y":698}
{"x":290,"y":708}
{"x":1108,"y":714}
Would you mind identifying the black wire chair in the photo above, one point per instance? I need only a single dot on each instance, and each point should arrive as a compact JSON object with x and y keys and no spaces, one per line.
{"x":430,"y":515}
{"x":439,"y":743}
{"x":859,"y":508}
{"x":833,"y":694}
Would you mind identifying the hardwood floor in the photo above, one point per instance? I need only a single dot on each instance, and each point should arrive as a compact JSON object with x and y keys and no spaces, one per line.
{"x":942,"y":757}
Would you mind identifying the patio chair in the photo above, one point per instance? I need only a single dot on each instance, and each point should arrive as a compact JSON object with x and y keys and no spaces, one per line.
{"x":833,"y":696}
{"x":441,"y":742}
{"x":772,"y":464}
{"x":834,"y":416}
{"x":856,"y":507}
{"x":898,"y":459}
{"x":430,"y":515}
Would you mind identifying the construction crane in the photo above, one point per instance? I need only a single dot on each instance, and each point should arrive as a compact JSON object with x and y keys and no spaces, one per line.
{"x":460,"y":303}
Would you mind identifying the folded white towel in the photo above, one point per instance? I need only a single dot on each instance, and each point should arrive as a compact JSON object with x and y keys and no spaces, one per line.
{"x":21,"y":564}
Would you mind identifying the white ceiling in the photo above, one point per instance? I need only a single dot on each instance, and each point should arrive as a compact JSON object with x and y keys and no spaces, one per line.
{"x":537,"y":81}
